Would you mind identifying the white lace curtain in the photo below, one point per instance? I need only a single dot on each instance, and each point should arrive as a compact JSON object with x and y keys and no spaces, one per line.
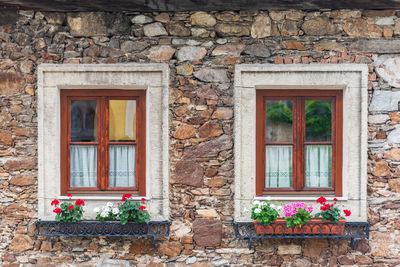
{"x":121,"y":166}
{"x":279,"y":166}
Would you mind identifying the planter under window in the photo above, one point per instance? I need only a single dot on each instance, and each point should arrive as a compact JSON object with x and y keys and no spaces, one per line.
{"x":313,"y":227}
{"x":96,"y":228}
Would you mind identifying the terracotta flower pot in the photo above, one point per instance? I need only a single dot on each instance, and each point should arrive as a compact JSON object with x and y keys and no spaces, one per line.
{"x":312,"y":227}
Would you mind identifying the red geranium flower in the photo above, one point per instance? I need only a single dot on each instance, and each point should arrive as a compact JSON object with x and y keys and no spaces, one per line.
{"x":325,"y":207}
{"x":143,"y":199}
{"x":70,"y":207}
{"x":57,"y":210}
{"x":80,"y":202}
{"x":142,"y":207}
{"x":321,"y":200}
{"x":69,"y":195}
{"x":347,"y":212}
{"x":335,"y":199}
{"x":55,"y":202}
{"x":126,"y":196}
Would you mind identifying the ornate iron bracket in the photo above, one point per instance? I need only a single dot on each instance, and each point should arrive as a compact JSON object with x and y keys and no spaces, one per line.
{"x":351,"y":230}
{"x":96,"y":228}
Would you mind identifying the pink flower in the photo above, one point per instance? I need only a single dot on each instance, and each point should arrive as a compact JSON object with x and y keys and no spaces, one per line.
{"x":309,"y":209}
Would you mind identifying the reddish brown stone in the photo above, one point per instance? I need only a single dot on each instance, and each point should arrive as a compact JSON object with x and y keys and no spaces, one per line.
{"x":362,"y":28}
{"x":210,"y":129}
{"x":362,"y":245}
{"x":379,"y":13}
{"x":314,"y":247}
{"x":345,"y":260}
{"x":185,"y":131}
{"x":293,"y":45}
{"x":182,"y":110}
{"x":177,"y":29}
{"x":393,"y":154}
{"x":187,"y":239}
{"x":21,"y":243}
{"x":140,"y":246}
{"x":10,"y":83}
{"x":188,"y":173}
{"x":209,"y":149}
{"x":160,"y":53}
{"x":394,"y":116}
{"x":22,"y":180}
{"x":381,"y":169}
{"x":207,"y":232}
{"x":171,"y":249}
{"x":211,"y":172}
{"x":215,"y":182}
{"x":20,"y":164}
{"x":207,"y":92}
{"x":8,"y":257}
{"x":394,"y":184}
{"x":373,"y":217}
{"x":223,"y":114}
{"x":319,"y":26}
{"x":16,"y":211}
{"x":6,"y":138}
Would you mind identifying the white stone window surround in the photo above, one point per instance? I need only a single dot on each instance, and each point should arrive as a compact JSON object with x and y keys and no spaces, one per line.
{"x":154,"y":78}
{"x":351,"y":78}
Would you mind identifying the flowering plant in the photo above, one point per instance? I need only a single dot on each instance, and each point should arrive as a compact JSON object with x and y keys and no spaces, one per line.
{"x":134,"y":211}
{"x":330,"y":212}
{"x":107,"y":213}
{"x":264,"y":212}
{"x":297,"y":214}
{"x":67,"y":212}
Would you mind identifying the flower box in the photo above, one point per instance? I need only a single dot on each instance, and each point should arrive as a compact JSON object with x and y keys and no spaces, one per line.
{"x":313,"y":227}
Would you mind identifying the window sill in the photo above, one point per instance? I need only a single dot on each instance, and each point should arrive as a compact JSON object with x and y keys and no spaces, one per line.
{"x":297,"y":198}
{"x":100,"y":197}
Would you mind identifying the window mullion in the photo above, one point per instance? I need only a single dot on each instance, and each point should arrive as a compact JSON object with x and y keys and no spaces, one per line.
{"x":103,"y":144}
{"x":299,"y":144}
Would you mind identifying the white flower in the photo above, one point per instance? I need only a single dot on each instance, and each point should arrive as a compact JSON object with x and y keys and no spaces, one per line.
{"x":115,"y":211}
{"x":256,"y":202}
{"x":96,"y":210}
{"x":273,"y":206}
{"x":279,"y":208}
{"x":104,"y":214}
{"x":246,"y":209}
{"x":109,"y":204}
{"x":257,"y":210}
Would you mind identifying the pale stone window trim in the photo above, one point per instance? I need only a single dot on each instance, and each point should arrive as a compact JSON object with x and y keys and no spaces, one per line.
{"x":154,"y":78}
{"x":351,"y":78}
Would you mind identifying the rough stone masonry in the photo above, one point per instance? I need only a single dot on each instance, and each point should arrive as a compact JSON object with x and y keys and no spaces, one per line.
{"x":201,"y":50}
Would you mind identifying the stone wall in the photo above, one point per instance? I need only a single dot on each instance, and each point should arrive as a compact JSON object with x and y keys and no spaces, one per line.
{"x":201,"y":50}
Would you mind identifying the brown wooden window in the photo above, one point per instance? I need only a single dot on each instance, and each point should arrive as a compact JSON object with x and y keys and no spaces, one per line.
{"x":103,"y":141}
{"x":299,"y":142}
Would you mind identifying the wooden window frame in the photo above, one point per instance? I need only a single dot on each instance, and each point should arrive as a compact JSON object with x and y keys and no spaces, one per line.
{"x":102,"y":96}
{"x":298,"y":182}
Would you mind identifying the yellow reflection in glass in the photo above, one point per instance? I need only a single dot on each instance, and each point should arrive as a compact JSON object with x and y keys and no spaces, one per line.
{"x":122,"y":120}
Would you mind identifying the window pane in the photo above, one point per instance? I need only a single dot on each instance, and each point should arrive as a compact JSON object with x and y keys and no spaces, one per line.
{"x":83,"y":166}
{"x":318,"y":120}
{"x":83,"y":120}
{"x":122,"y":166}
{"x":279,"y":116}
{"x":278,"y":165}
{"x":318,"y":165}
{"x":122,"y":120}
